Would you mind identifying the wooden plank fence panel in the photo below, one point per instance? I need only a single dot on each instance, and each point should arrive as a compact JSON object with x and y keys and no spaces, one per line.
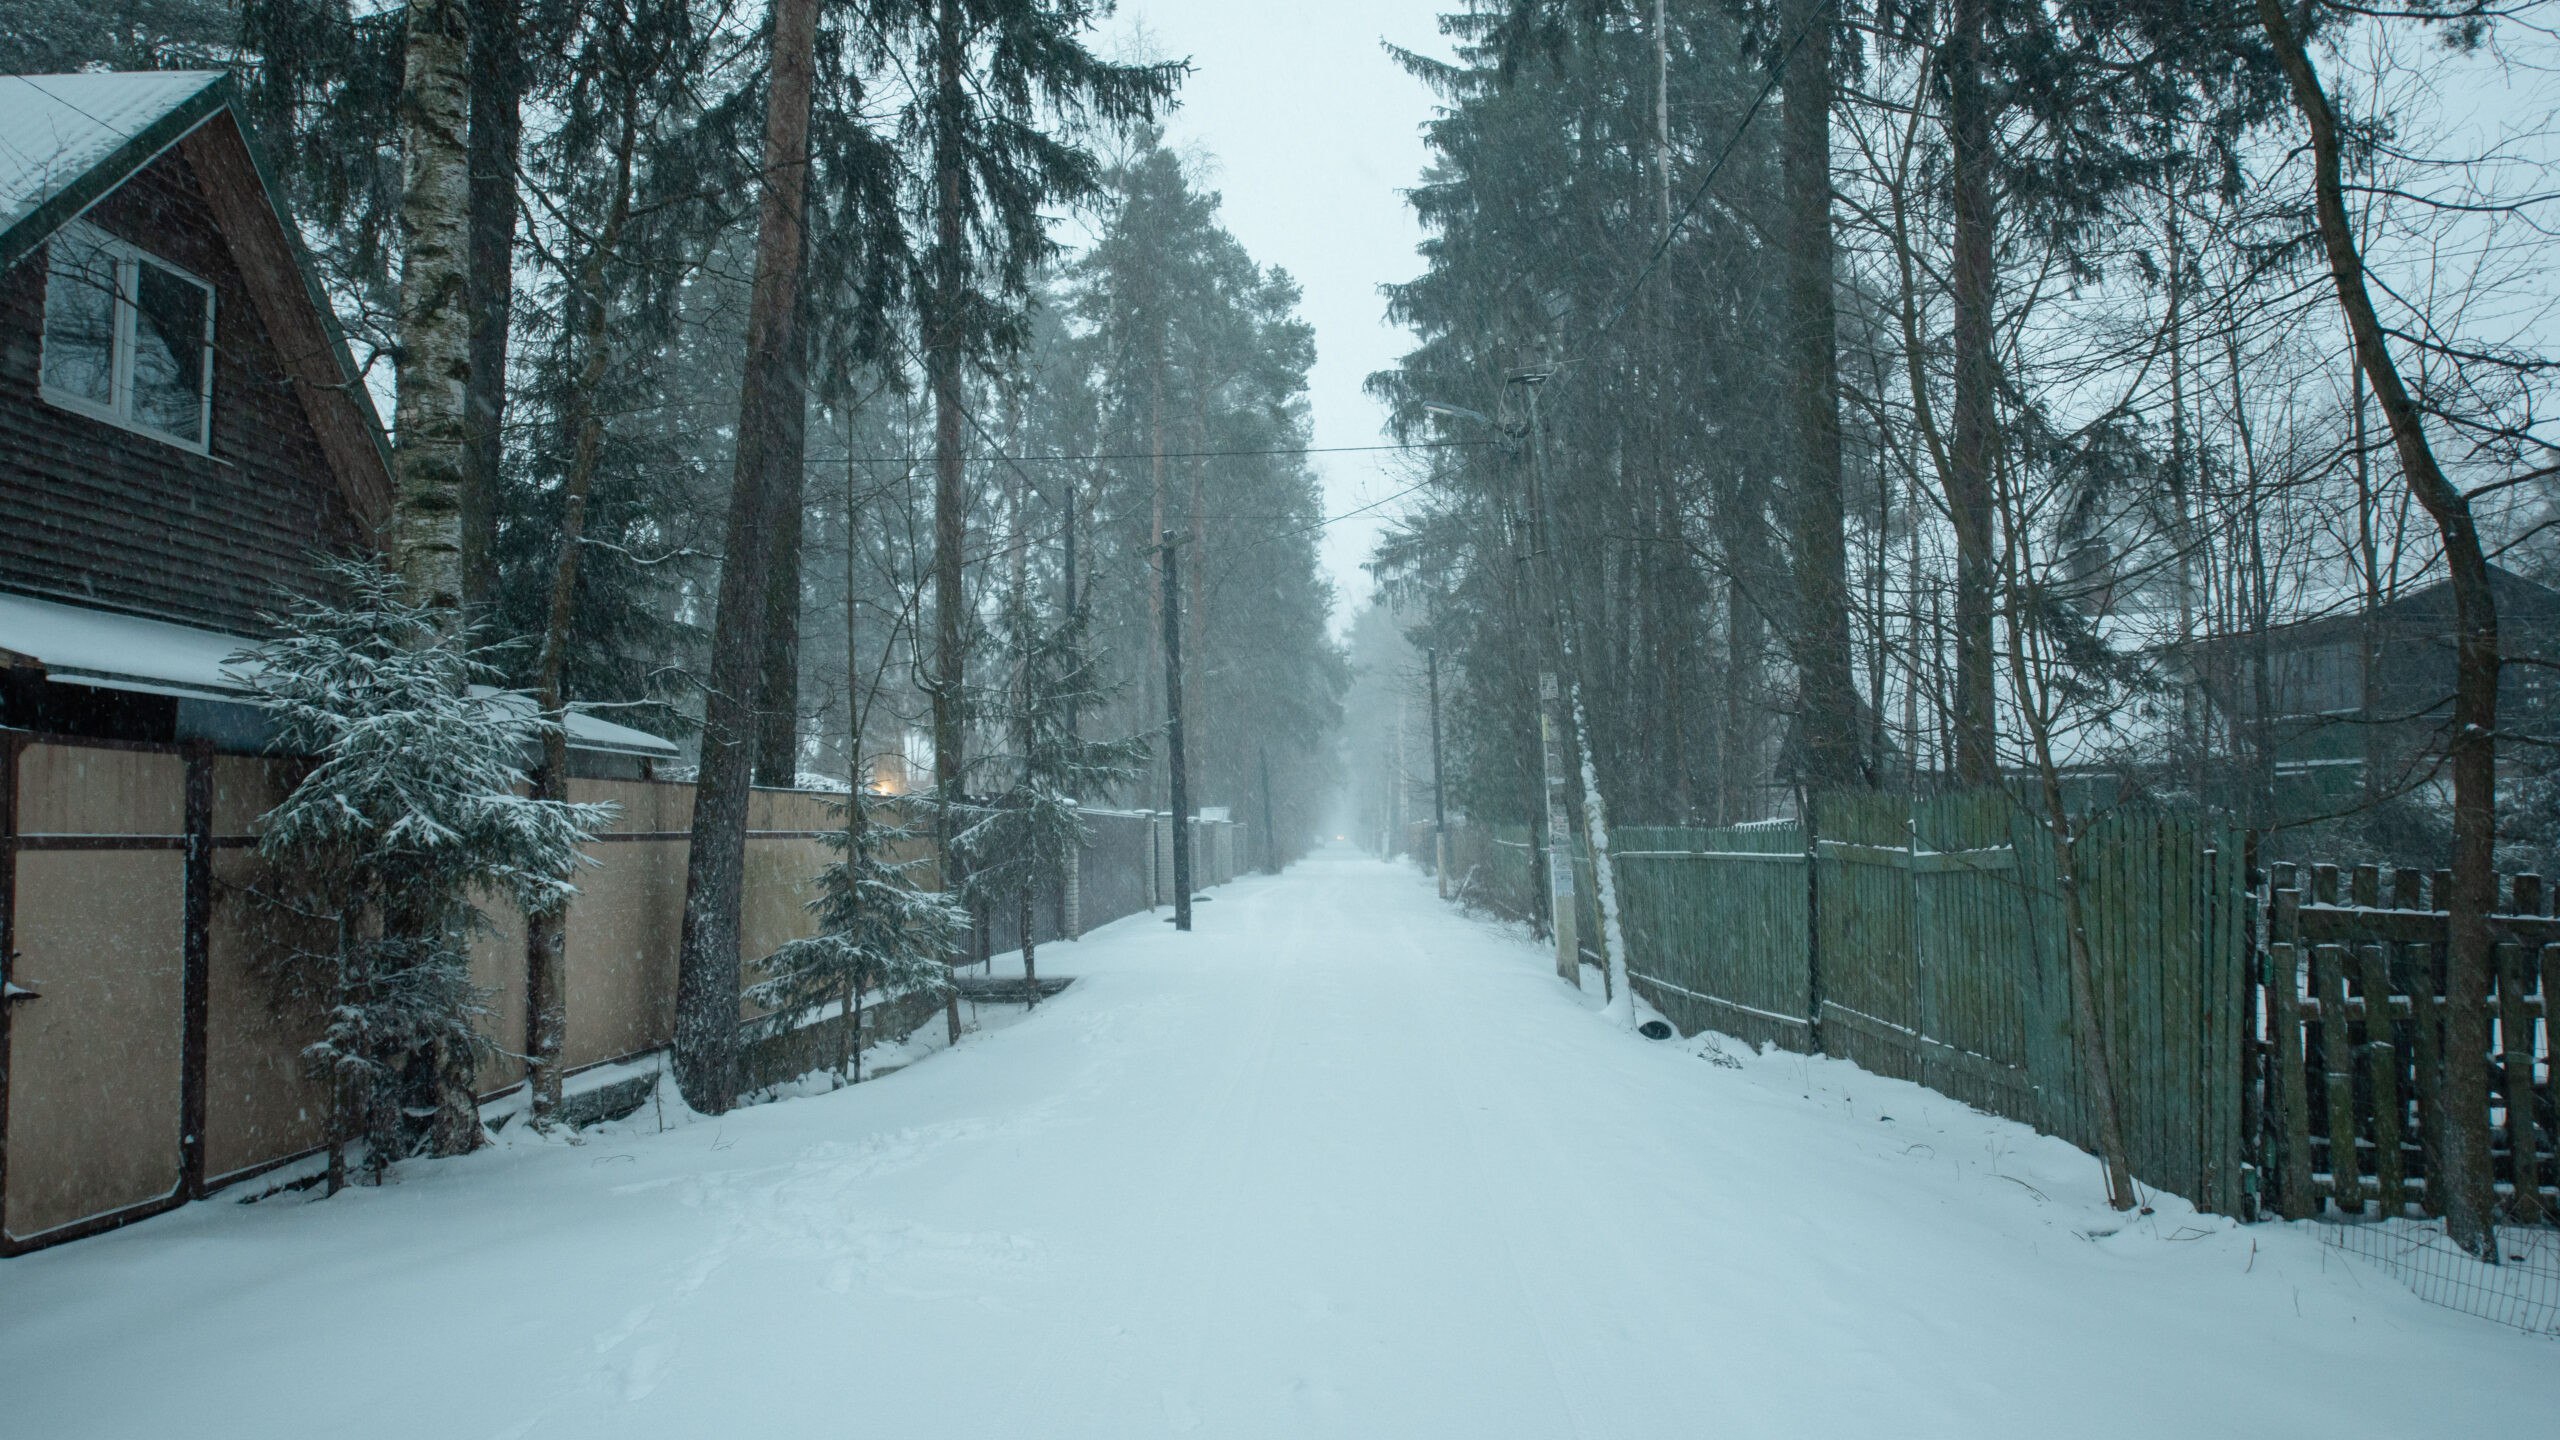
{"x":2370,"y":1043}
{"x":1924,"y":940}
{"x":1974,"y":958}
{"x":1863,"y":912}
{"x":2551,"y":1059}
{"x":2337,"y":1072}
{"x":2515,"y":1041}
{"x":2293,"y":1074}
{"x":2382,"y":1070}
{"x":1716,"y":929}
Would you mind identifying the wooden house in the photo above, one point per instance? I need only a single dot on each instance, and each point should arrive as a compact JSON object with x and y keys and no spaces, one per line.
{"x":181,"y":429}
{"x":181,"y":435}
{"x":2306,"y":683}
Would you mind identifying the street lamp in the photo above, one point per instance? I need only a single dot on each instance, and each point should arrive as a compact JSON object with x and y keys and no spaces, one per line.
{"x":1594,"y":808}
{"x":1552,"y":715}
{"x":1459,"y":412}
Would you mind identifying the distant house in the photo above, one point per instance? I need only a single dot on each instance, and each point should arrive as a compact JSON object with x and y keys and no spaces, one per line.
{"x":2306,"y":682}
{"x":181,"y":427}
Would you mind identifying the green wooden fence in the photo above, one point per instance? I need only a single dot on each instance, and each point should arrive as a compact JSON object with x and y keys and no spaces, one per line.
{"x":1495,"y":868}
{"x":1716,"y":924}
{"x":1927,"y":940}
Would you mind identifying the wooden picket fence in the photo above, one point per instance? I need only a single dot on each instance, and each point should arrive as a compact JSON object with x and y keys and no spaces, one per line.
{"x":2350,"y":1078}
{"x":1717,"y":925}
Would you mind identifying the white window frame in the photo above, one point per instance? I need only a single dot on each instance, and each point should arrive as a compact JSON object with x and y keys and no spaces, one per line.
{"x":118,"y":411}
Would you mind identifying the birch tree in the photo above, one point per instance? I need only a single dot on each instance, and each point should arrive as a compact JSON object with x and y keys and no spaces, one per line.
{"x":434,"y":353}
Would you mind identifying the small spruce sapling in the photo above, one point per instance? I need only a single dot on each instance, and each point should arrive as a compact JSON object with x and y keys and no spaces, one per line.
{"x":1021,"y":848}
{"x":882,"y":932}
{"x":413,"y":811}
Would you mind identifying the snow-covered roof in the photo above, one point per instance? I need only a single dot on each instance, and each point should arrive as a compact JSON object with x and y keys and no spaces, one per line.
{"x":59,"y":131}
{"x":105,"y":650}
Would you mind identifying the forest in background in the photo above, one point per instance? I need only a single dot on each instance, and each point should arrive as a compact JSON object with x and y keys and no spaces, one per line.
{"x":1925,"y":394}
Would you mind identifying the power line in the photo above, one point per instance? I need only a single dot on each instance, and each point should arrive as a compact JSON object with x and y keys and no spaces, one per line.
{"x":1004,"y":459}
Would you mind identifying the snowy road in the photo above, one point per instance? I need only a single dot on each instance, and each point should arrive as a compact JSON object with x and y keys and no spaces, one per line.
{"x":1342,"y":1163}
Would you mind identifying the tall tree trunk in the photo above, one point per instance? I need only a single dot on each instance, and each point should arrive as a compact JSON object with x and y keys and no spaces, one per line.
{"x":546,"y":932}
{"x":2369,"y":623}
{"x":1973,"y":449}
{"x":434,"y":372}
{"x":497,"y":128}
{"x":946,"y":358}
{"x":1827,"y":696}
{"x":433,"y":364}
{"x":1196,"y":734}
{"x":2469,"y":1194}
{"x":1155,"y":565}
{"x":715,"y":871}
{"x":778,"y":675}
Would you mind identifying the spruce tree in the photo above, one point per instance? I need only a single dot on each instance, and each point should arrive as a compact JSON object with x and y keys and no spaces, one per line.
{"x":1002,"y":87}
{"x":411,"y":812}
{"x":881,"y":932}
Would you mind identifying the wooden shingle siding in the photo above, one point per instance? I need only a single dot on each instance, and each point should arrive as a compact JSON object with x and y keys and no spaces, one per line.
{"x":99,"y":515}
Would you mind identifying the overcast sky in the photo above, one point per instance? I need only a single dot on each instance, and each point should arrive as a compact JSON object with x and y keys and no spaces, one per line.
{"x":1315,"y":133}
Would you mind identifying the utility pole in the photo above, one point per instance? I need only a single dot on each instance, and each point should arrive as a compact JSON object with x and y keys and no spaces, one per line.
{"x":1180,"y":783}
{"x":1561,"y":914}
{"x":1439,"y":791}
{"x":1270,"y":847}
{"x":1613,"y":940}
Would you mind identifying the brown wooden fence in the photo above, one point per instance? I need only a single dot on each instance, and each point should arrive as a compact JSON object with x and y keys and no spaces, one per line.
{"x":2350,"y":1077}
{"x":144,"y":1056}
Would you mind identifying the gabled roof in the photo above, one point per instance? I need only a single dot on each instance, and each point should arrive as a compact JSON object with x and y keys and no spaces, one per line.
{"x":66,"y":141}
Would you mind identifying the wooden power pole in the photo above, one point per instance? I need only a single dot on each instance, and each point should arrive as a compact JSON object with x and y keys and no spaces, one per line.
{"x":1439,"y":791}
{"x":1179,"y":782}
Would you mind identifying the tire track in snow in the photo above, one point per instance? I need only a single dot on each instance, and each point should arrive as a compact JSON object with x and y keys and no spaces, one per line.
{"x":1422,"y":984}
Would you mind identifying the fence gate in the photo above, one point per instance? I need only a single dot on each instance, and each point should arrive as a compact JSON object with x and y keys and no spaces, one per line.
{"x":98,"y":902}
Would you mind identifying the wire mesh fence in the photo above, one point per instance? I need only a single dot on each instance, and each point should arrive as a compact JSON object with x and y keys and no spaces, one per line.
{"x":2522,"y":1290}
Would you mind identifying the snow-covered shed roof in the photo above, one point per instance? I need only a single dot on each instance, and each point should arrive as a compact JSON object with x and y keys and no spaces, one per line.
{"x":76,"y":645}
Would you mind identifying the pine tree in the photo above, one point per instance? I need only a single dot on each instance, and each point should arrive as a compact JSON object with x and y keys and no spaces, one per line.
{"x":772,"y":408}
{"x":1020,"y":850}
{"x":413,"y":810}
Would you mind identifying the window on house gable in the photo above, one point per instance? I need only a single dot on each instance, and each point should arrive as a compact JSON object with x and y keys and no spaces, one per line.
{"x":127,"y":339}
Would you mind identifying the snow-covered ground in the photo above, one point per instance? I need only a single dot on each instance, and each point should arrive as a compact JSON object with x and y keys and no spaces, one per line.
{"x":1340,"y":1163}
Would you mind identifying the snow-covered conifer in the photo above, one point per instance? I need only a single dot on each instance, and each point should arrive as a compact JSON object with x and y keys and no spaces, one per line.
{"x":881,"y":933}
{"x":412,"y":815}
